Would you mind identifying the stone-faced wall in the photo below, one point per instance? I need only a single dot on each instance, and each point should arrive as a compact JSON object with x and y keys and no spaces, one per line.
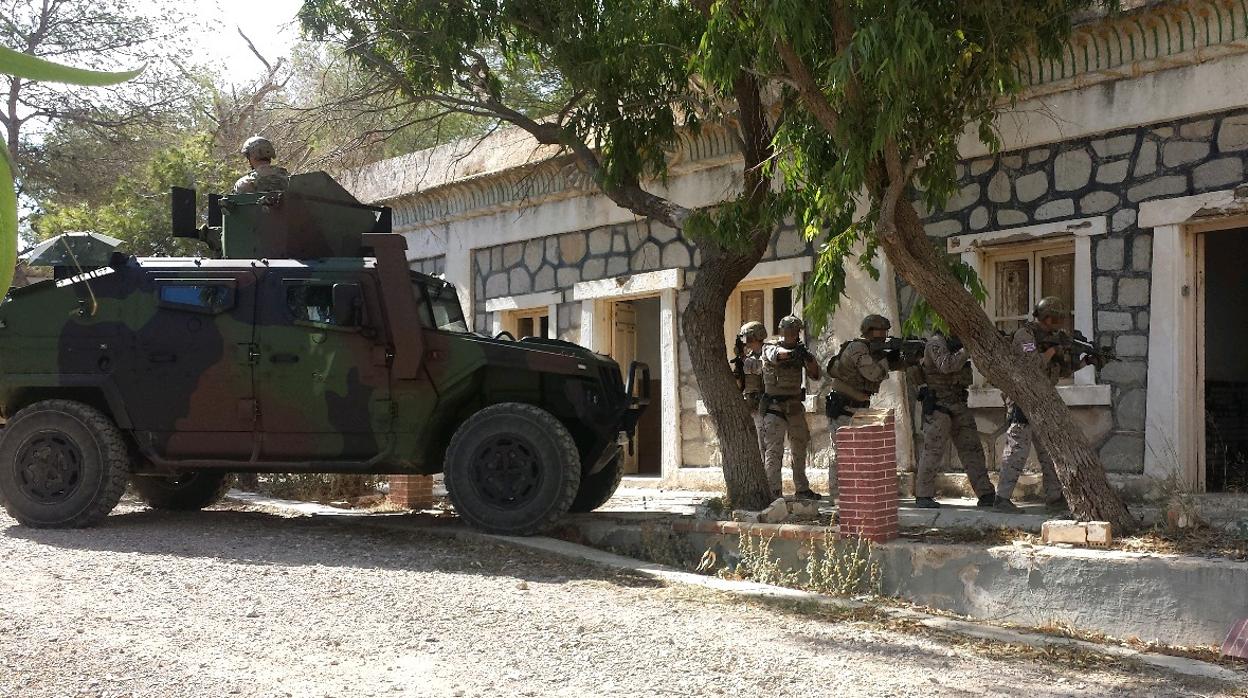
{"x":429,"y":265}
{"x":1108,"y":175}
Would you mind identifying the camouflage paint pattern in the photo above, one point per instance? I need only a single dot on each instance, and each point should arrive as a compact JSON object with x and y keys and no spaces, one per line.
{"x":247,"y":363}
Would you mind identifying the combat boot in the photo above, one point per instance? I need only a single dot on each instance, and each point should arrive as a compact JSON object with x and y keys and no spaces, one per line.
{"x":1004,"y":506}
{"x":808,"y":494}
{"x":926,"y":503}
{"x":986,"y":501}
{"x":1057,"y":506}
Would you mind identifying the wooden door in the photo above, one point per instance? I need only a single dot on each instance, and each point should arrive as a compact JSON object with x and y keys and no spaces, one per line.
{"x":624,"y":351}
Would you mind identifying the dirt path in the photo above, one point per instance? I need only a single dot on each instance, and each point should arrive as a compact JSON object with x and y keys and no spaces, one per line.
{"x":230,"y":602}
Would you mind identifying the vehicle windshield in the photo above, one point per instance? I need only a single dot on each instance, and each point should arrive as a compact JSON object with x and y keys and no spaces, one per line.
{"x":439,"y":305}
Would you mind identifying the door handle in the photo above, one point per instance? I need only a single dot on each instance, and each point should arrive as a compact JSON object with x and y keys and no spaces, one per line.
{"x":162,"y":358}
{"x":284,"y":358}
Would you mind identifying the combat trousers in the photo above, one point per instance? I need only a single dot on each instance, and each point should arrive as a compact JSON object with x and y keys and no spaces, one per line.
{"x":1018,"y":443}
{"x":938,"y":428}
{"x":791,"y":422}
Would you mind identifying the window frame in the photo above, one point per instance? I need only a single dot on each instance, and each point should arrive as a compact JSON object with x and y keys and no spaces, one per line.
{"x":507,"y":311}
{"x":732,"y":314}
{"x":977,"y":250}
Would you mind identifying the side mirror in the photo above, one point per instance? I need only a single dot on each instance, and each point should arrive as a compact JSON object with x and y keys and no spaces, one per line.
{"x":214,"y":210}
{"x":183,"y":214}
{"x":347,"y":304}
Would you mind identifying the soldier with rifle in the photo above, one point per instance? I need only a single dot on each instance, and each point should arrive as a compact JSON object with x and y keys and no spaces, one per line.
{"x":946,"y":369}
{"x":863,"y":363}
{"x":783,"y":409}
{"x":747,"y":368}
{"x":1061,"y":355}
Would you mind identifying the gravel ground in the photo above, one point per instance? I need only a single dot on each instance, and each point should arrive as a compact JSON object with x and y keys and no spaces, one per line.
{"x":236,"y":602}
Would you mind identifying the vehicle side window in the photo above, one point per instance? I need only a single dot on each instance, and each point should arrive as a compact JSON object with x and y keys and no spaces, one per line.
{"x":314,"y":302}
{"x":211,"y":297}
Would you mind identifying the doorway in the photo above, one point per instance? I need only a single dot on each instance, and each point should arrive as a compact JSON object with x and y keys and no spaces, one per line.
{"x":635,"y":337}
{"x":1222,"y":367}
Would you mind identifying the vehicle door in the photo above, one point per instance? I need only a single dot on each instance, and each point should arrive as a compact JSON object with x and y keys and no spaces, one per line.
{"x":190,"y":392}
{"x":322,"y":376}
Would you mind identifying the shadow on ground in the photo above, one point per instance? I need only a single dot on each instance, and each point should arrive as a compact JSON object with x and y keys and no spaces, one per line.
{"x":409,"y":542}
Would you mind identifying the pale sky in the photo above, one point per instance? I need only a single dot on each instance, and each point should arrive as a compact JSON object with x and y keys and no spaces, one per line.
{"x":270,"y":24}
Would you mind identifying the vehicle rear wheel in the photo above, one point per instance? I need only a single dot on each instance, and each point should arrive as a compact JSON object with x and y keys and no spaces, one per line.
{"x":182,"y":492}
{"x":596,"y":489}
{"x":63,"y":464}
{"x":512,"y":469}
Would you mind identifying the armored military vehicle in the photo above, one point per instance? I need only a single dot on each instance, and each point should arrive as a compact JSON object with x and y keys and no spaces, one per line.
{"x":304,"y":344}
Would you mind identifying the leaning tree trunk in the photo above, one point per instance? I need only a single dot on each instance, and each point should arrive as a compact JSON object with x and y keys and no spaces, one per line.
{"x":703,"y":324}
{"x":703,"y":320}
{"x":1020,"y":377}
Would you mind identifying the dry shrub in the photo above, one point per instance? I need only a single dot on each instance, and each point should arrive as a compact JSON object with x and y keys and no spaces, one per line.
{"x":319,"y":487}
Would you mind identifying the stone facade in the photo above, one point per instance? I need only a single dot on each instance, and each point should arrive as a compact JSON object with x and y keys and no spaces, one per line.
{"x":1109,"y":175}
{"x":432,"y":266}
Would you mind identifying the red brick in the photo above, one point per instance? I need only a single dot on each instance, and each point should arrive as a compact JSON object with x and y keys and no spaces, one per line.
{"x":412,"y":491}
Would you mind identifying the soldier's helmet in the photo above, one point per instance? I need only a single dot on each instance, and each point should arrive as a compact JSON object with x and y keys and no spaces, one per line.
{"x":875,"y":322}
{"x":791,"y":322}
{"x":753,"y":330}
{"x":259,"y":147}
{"x":1050,"y":306}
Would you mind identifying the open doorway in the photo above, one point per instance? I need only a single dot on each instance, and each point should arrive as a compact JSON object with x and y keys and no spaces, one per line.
{"x":635,"y":337}
{"x":1223,"y":286}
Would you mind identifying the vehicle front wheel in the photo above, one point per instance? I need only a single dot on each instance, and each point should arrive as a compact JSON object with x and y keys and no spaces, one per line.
{"x":182,"y":492}
{"x":512,"y":469}
{"x":63,"y":464}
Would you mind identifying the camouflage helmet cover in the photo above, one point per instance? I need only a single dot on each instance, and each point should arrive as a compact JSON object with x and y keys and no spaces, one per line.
{"x":259,"y":147}
{"x":1050,"y":306}
{"x":753,"y":330}
{"x":791,"y":322}
{"x":875,"y":322}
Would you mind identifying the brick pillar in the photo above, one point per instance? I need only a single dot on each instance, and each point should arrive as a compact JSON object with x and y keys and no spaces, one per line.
{"x":866,"y":472}
{"x":412,"y":491}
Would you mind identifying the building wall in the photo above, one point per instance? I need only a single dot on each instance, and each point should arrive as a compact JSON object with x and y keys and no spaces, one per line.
{"x":429,"y":265}
{"x":1107,"y":175}
{"x":558,"y":262}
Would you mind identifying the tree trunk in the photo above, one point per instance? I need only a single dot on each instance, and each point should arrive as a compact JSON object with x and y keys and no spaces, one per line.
{"x":703,"y":325}
{"x":1020,"y":377}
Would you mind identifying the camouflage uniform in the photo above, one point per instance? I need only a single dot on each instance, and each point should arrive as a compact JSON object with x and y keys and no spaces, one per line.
{"x":263,"y":178}
{"x":1018,"y":434}
{"x":856,"y":372}
{"x":948,"y":375}
{"x":784,"y":413}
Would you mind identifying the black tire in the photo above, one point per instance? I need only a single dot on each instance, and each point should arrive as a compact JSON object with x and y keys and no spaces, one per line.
{"x":63,"y":464}
{"x":182,"y":492}
{"x":596,"y":489}
{"x":512,"y":469}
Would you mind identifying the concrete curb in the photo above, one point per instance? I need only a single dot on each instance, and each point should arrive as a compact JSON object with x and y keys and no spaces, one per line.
{"x":970,"y":629}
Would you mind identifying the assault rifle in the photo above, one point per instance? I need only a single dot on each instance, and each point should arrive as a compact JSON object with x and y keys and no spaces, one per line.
{"x":904,"y":350}
{"x":1074,"y":346}
{"x":738,"y":364}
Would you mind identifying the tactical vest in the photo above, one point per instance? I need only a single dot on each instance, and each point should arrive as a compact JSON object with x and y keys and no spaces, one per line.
{"x":845,"y":370}
{"x":947,"y":386}
{"x":1053,"y":368}
{"x":782,"y":378}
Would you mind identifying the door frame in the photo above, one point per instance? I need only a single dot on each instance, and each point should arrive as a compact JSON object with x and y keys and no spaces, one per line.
{"x":1174,"y":436}
{"x":597,"y":326}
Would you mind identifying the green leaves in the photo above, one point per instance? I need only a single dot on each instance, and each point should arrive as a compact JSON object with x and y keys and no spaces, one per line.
{"x":24,"y":65}
{"x":32,"y":68}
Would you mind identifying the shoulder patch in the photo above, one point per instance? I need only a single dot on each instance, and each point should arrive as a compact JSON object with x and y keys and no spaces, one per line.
{"x":1029,"y":346}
